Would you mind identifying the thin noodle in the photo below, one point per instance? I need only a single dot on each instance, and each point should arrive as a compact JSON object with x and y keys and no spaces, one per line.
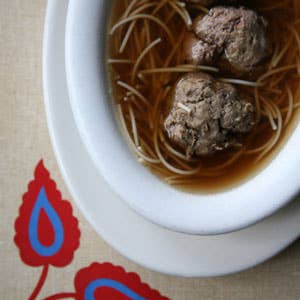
{"x":133,"y":147}
{"x":127,"y":36}
{"x":276,"y":71}
{"x":257,"y":104}
{"x":277,"y":59}
{"x":119,"y":61}
{"x":143,"y":16}
{"x":186,"y":18}
{"x":200,"y":7}
{"x":179,"y":70}
{"x":133,"y":90}
{"x":143,"y":54}
{"x":133,"y":126}
{"x":168,"y":165}
{"x":274,"y":140}
{"x":290,"y":107}
{"x":242,"y":82}
{"x":159,"y":6}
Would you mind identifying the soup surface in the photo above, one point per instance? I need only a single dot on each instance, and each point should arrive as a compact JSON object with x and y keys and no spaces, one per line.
{"x":145,"y":63}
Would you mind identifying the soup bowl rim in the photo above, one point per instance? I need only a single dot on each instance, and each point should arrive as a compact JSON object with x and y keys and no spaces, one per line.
{"x":201,"y":213}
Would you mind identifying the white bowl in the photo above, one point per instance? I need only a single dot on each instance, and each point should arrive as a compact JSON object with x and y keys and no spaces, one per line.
{"x":202,"y":214}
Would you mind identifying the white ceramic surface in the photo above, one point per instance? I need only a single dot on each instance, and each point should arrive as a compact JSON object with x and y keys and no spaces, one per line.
{"x":137,"y":239}
{"x":92,"y":106}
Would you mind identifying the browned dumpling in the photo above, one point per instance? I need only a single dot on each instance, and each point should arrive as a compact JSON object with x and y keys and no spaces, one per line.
{"x":207,"y":115}
{"x":235,"y":39}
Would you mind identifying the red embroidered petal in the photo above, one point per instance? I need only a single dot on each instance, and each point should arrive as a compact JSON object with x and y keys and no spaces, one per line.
{"x":46,"y":230}
{"x":115,"y":278}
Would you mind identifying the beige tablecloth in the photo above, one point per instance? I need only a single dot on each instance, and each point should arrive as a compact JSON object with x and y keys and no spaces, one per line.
{"x":24,"y":140}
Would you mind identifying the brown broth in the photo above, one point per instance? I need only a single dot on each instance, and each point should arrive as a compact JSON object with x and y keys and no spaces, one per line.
{"x":237,"y":173}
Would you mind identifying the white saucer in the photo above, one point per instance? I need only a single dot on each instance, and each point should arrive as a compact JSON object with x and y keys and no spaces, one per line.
{"x":139,"y":240}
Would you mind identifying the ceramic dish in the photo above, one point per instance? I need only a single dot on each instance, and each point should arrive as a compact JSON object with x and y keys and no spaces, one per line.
{"x":92,"y":106}
{"x":134,"y":237}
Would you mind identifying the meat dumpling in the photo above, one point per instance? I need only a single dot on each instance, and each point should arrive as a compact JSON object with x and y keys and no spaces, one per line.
{"x":207,"y":115}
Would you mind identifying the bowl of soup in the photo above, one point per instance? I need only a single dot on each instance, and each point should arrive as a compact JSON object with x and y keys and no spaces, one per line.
{"x":189,"y":110}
